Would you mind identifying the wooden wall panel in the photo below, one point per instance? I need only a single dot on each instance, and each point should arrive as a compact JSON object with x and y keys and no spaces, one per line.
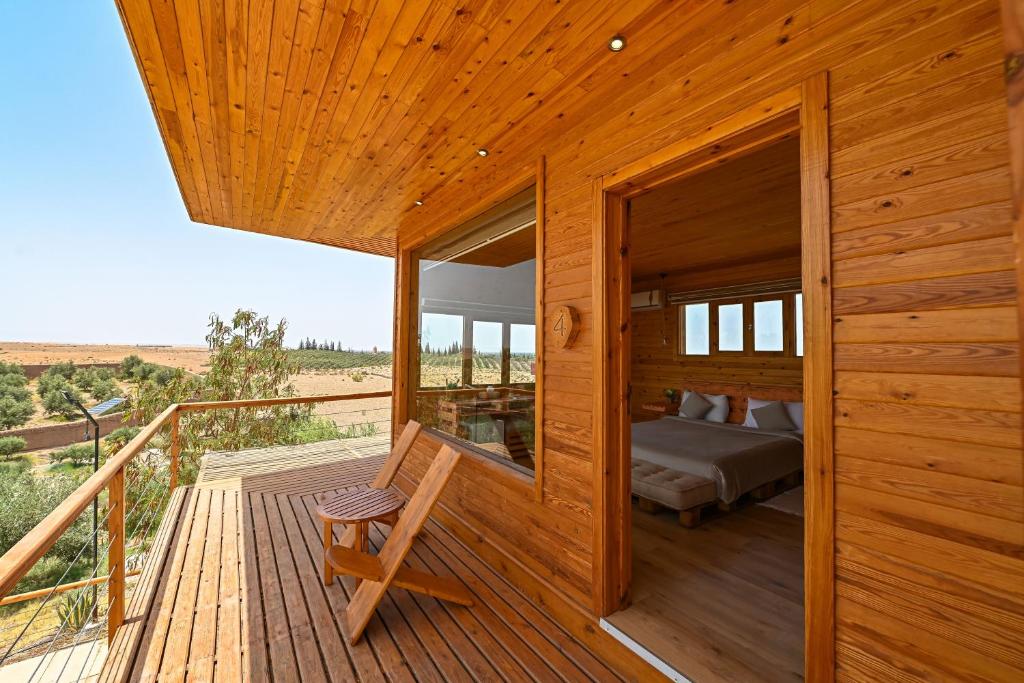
{"x":922,"y":254}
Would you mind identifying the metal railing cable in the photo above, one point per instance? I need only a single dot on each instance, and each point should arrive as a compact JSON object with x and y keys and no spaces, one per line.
{"x":137,"y":482}
{"x":53,"y":591}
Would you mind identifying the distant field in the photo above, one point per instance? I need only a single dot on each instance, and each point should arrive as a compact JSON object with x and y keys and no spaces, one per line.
{"x":437,"y":369}
{"x":191,"y":358}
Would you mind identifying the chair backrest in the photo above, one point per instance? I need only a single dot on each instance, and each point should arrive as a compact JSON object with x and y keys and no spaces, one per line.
{"x":363,"y":604}
{"x":394,"y":460}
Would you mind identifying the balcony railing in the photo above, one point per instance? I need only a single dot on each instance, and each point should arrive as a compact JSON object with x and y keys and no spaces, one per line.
{"x":133,"y":488}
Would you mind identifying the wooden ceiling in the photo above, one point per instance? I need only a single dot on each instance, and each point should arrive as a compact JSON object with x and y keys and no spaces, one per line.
{"x":326,"y":120}
{"x":744,"y":211}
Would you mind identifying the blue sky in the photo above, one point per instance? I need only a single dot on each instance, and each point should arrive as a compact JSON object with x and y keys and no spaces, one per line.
{"x":95,"y":243}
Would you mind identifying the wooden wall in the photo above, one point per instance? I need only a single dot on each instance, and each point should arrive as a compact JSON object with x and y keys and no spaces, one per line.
{"x":927,"y":413}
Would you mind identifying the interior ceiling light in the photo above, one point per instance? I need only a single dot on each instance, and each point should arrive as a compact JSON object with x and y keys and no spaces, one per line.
{"x":482,"y":152}
{"x":617,"y":43}
{"x":418,"y":202}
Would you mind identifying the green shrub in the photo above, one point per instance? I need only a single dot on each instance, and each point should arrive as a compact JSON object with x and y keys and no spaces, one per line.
{"x":163,"y":376}
{"x":118,"y":439}
{"x":76,"y":454}
{"x":77,"y":608}
{"x":128,"y":365}
{"x":85,"y":378}
{"x":356,"y":431}
{"x":104,"y":389}
{"x":15,"y":411}
{"x":143,"y":371}
{"x":65,"y":369}
{"x":9,"y":445}
{"x":27,"y":499}
{"x":54,"y":402}
{"x":104,"y":373}
{"x":51,"y":381}
{"x":358,"y":376}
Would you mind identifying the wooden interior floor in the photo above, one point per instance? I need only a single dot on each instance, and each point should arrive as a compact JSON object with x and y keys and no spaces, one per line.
{"x":722,"y":602}
{"x":240,"y":597}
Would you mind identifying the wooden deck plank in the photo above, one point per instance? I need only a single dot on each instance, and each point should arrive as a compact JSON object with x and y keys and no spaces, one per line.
{"x":329,"y":639}
{"x":362,"y":654}
{"x":125,"y":646}
{"x":170,"y":653}
{"x":229,"y":611}
{"x":283,"y":664}
{"x":241,"y":598}
{"x":203,"y":646}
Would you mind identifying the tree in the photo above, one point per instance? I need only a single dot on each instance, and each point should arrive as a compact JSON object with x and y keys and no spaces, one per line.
{"x":54,"y":402}
{"x":9,"y":445}
{"x":247,"y":360}
{"x":15,"y":399}
{"x":128,"y":365}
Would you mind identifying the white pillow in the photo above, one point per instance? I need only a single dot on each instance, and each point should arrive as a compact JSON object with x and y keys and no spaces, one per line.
{"x":796,"y":414}
{"x":795,"y":409}
{"x":720,"y":410}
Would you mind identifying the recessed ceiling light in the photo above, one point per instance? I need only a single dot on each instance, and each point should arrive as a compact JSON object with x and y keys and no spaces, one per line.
{"x":418,"y":202}
{"x":617,"y":43}
{"x":482,"y":152}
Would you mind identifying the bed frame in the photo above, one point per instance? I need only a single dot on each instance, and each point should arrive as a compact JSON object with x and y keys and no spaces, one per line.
{"x":738,"y":394}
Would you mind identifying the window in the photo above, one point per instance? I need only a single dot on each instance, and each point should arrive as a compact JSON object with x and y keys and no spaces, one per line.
{"x":742,"y":321}
{"x":798,"y":305}
{"x":697,"y":330}
{"x":768,"y":325}
{"x":476,"y":319}
{"x":730,"y":327}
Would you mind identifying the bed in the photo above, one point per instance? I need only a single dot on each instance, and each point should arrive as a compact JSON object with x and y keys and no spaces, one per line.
{"x":737,"y":459}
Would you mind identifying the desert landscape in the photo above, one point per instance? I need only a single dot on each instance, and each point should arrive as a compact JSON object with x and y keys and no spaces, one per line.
{"x":356,"y":373}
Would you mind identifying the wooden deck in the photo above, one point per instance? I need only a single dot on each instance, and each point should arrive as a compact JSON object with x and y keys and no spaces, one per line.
{"x":239,"y":595}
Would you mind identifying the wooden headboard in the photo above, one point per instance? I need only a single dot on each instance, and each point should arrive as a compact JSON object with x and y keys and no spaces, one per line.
{"x":739,"y":392}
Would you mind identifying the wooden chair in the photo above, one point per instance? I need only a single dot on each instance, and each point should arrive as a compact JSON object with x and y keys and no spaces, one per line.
{"x":383,"y":480}
{"x":378,"y":572}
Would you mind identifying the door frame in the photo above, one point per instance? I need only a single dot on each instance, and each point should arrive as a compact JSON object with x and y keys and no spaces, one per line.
{"x":802,"y":108}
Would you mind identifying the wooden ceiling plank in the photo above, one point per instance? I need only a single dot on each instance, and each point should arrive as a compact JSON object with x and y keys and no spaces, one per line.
{"x":505,"y":66}
{"x":372,"y":36}
{"x":396,"y":83}
{"x":429,"y":114}
{"x":313,"y":23}
{"x":164,"y":23}
{"x":214,"y":30}
{"x":292,"y":35}
{"x":145,"y":44}
{"x":190,"y":35}
{"x":356,"y":23}
{"x":261,"y":19}
{"x":402,"y":34}
{"x":329,"y":54}
{"x":236,"y":19}
{"x":571,"y":49}
{"x":826,"y":39}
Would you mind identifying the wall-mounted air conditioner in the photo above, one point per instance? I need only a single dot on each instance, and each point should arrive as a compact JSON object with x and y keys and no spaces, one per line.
{"x":648,"y":301}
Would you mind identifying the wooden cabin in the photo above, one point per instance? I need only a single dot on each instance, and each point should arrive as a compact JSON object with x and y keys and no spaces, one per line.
{"x":808,"y":203}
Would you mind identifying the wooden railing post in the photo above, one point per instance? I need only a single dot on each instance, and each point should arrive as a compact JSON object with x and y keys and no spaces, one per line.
{"x":175,"y":448}
{"x":115,"y":553}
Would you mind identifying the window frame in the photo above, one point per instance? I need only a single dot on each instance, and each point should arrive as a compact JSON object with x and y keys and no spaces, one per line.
{"x":789,"y":332}
{"x":412,"y":328}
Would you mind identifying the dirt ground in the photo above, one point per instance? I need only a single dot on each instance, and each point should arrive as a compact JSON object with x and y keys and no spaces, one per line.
{"x":194,"y":359}
{"x":191,"y":358}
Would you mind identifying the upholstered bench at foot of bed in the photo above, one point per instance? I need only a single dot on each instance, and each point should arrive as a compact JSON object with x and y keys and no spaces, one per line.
{"x":658,"y":486}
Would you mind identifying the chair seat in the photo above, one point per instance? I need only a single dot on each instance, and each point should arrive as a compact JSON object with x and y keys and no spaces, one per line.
{"x":369,"y":568}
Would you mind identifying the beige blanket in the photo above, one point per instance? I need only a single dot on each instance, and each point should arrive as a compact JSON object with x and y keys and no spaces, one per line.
{"x":738,"y":459}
